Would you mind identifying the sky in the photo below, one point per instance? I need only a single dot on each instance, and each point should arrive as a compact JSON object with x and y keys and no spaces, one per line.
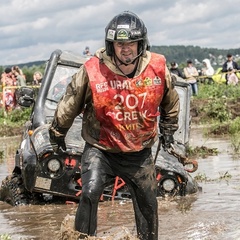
{"x":32,"y":29}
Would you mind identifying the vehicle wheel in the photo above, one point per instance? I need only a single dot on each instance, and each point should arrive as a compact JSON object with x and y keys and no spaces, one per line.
{"x":13,"y":191}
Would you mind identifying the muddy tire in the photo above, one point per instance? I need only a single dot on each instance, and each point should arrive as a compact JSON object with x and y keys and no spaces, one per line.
{"x":13,"y":191}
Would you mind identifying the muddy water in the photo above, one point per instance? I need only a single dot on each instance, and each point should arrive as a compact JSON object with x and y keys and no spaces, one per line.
{"x":211,"y":214}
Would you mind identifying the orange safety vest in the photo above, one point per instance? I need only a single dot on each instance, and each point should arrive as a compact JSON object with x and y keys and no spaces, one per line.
{"x":127,"y":108}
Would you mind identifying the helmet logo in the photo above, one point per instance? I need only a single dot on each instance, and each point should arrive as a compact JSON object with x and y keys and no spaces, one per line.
{"x":136,"y":33}
{"x":122,"y":35}
{"x":123,"y":26}
{"x":110,"y":34}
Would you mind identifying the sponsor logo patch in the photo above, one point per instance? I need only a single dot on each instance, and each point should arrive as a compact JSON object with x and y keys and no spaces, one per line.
{"x":139,"y":83}
{"x":147,"y":81}
{"x":157,"y":81}
{"x":122,"y":35}
{"x":102,"y":87}
{"x":111,"y":34}
{"x":123,"y":26}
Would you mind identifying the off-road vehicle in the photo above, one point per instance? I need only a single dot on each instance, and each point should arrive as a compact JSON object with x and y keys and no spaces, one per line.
{"x":41,"y":173}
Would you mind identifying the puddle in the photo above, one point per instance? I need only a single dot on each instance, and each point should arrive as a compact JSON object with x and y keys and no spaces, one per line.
{"x":208,"y":215}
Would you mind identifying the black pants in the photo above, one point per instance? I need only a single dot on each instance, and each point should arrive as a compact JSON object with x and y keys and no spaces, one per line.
{"x":137,"y":170}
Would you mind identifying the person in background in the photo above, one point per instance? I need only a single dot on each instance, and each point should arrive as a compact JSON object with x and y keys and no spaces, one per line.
{"x":87,"y":52}
{"x":230,"y":67}
{"x":8,"y":78}
{"x":191,"y":73}
{"x":37,"y":78}
{"x":121,"y":91}
{"x":8,"y":82}
{"x":175,"y":70}
{"x":207,"y":70}
{"x":20,"y":77}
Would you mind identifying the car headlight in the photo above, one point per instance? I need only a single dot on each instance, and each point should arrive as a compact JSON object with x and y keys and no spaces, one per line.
{"x":40,"y":140}
{"x":168,"y":185}
{"x":53,"y":165}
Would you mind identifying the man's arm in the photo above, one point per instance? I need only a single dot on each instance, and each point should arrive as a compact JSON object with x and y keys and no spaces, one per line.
{"x":224,"y":67}
{"x":71,"y":105}
{"x":169,"y":109}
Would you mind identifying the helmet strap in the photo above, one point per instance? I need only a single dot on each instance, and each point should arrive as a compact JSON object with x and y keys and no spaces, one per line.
{"x":126,"y":64}
{"x":122,"y":63}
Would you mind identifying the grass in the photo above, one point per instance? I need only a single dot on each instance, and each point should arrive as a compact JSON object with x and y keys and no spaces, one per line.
{"x":218,"y":106}
{"x":5,"y":237}
{"x":202,"y":177}
{"x":218,"y":91}
{"x":12,"y":123}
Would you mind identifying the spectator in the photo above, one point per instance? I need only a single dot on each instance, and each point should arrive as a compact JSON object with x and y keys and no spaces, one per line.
{"x":20,"y":77}
{"x":37,"y":78}
{"x":8,"y":78}
{"x":8,"y":81}
{"x":191,"y":73}
{"x":87,"y":52}
{"x":230,"y":67}
{"x":207,"y":71}
{"x":175,"y":70}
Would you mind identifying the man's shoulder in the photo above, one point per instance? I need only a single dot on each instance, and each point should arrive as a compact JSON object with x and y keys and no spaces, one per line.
{"x":155,"y":54}
{"x":159,"y":56}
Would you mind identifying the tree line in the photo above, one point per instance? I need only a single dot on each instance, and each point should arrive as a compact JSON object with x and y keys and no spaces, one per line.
{"x":181,"y":54}
{"x":177,"y":53}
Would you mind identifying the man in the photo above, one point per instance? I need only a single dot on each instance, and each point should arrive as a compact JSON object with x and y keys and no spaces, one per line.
{"x":86,"y":52}
{"x":191,"y":73}
{"x":175,"y":70}
{"x":230,"y":67}
{"x":120,"y":92}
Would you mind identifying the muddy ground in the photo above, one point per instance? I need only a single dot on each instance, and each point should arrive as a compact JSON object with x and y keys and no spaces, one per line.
{"x":7,"y":131}
{"x":211,"y":214}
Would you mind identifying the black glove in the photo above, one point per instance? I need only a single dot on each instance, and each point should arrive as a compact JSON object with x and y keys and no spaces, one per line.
{"x":167,"y":140}
{"x":57,"y":138}
{"x":167,"y":129}
{"x":166,"y":135}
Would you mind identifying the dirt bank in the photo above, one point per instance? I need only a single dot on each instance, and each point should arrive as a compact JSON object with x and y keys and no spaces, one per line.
{"x":199,"y":112}
{"x":9,"y":131}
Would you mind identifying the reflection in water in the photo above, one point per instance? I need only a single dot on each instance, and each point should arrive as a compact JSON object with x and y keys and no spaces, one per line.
{"x":210,"y":214}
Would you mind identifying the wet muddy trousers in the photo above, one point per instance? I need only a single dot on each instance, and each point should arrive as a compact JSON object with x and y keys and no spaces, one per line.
{"x":137,"y":170}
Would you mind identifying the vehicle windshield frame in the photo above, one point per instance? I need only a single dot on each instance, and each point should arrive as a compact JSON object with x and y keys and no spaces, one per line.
{"x":62,"y":77}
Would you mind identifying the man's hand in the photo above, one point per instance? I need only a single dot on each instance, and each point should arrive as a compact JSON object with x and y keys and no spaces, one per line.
{"x":57,"y":140}
{"x":167,"y":141}
{"x":167,"y":129}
